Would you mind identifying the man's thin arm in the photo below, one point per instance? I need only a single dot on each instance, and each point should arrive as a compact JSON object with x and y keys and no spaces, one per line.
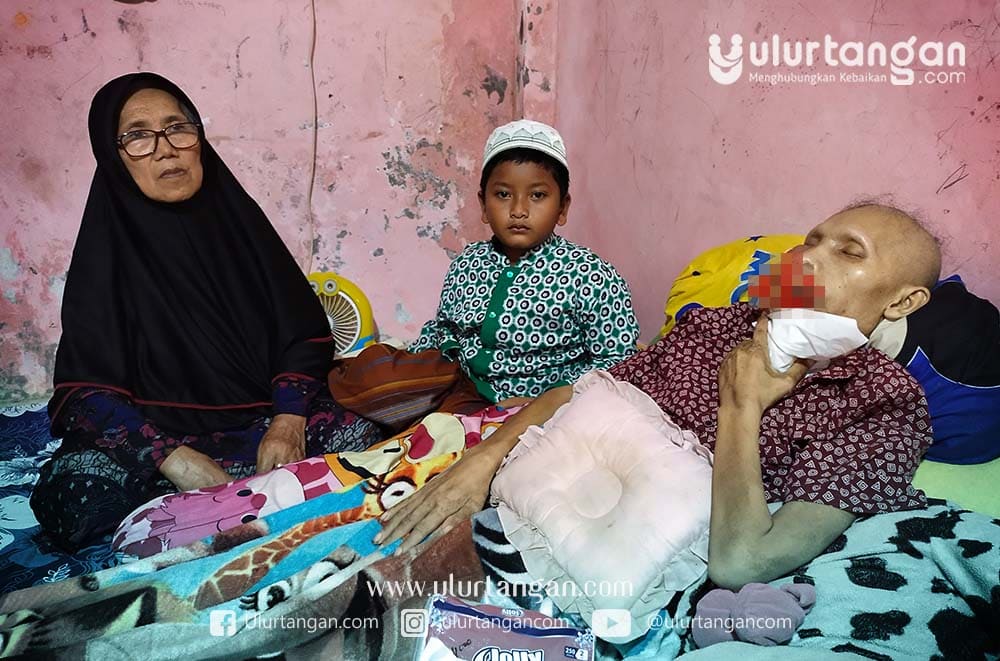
{"x":747,"y":544}
{"x":537,"y":412}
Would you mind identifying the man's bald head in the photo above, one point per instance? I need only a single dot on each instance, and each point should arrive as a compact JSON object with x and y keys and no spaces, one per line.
{"x":874,"y":262}
{"x":916,"y":251}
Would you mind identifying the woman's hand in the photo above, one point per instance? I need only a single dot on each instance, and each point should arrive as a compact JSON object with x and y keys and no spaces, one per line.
{"x":283,"y":443}
{"x":189,"y":469}
{"x":746,"y":378}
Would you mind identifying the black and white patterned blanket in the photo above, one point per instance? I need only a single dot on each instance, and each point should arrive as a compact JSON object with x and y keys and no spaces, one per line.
{"x":922,"y":584}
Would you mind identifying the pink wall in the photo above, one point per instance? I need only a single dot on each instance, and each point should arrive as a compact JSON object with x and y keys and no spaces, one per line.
{"x":406,"y":94}
{"x":665,"y":162}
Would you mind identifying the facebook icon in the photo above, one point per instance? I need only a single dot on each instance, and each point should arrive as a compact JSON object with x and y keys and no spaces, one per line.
{"x":222,"y":622}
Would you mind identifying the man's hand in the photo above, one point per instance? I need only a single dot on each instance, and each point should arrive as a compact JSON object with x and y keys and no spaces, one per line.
{"x":445,"y":501}
{"x":746,"y":544}
{"x":746,"y":379}
{"x":283,"y":443}
{"x":189,"y":469}
{"x":461,"y":491}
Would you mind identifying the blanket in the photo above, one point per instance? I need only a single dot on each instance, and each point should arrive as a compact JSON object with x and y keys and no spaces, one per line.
{"x":366,"y":483}
{"x":207,"y":598}
{"x":27,"y":555}
{"x":335,"y":606}
{"x":905,"y":585}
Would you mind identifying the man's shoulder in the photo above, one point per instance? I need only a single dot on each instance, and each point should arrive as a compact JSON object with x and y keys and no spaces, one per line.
{"x":736,"y":318}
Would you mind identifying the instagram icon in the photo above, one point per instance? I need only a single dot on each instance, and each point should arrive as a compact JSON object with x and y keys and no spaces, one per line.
{"x":413,"y":622}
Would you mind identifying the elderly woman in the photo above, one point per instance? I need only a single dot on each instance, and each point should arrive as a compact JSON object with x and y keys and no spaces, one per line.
{"x":193,"y":349}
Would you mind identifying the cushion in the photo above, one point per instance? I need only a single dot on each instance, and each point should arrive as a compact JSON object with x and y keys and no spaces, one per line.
{"x":952,"y":347}
{"x":394,"y":387}
{"x":718,"y":277}
{"x":973,"y":487}
{"x":610,"y":494}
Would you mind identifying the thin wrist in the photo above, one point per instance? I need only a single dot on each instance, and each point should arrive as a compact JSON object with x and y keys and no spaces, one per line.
{"x":740,"y":410}
{"x":738,"y":422}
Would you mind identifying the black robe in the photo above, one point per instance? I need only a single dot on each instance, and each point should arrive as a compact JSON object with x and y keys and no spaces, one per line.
{"x":190,"y":308}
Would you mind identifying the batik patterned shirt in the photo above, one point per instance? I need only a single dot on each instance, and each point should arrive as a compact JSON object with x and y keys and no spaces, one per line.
{"x":520,"y":329}
{"x":849,"y":436}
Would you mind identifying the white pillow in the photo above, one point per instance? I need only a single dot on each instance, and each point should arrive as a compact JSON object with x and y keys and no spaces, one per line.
{"x":609,"y":493}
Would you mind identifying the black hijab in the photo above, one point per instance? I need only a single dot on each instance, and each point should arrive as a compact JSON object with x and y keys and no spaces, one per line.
{"x":189,"y":308}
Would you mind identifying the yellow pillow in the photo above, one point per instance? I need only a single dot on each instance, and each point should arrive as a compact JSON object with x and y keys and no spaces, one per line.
{"x":718,"y":277}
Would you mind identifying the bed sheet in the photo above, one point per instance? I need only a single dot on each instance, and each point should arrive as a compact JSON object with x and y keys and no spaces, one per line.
{"x":27,"y":555}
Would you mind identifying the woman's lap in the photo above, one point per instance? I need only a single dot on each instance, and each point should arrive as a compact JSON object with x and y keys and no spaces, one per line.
{"x":89,"y":486}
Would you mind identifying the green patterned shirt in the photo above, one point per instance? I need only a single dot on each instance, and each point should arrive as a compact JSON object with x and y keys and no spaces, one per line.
{"x":521,"y":329}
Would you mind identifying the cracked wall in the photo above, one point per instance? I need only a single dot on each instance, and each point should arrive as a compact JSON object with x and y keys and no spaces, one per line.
{"x":405,"y":97}
{"x":665,"y":163}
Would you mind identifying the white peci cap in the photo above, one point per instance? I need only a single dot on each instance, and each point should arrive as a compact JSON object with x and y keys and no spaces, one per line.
{"x":525,"y":133}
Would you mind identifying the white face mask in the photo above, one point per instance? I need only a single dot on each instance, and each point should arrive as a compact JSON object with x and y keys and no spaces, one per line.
{"x":811,"y":335}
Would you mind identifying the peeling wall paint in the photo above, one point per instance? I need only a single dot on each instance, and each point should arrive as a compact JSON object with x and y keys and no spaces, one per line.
{"x":405,"y":97}
{"x":538,"y":35}
{"x":667,"y":163}
{"x":405,"y":118}
{"x":364,"y":148}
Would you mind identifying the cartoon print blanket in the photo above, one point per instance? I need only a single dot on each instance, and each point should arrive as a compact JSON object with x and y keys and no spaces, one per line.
{"x":205,"y":599}
{"x":365,"y":484}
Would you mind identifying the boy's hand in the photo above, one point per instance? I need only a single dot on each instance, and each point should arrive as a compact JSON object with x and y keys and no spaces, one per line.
{"x":442,"y":503}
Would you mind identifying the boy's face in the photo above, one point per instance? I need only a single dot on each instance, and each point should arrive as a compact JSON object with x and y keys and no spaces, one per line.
{"x":522,"y":206}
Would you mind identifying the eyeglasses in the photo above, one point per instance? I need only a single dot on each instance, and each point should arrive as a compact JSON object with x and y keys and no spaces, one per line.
{"x":143,"y":142}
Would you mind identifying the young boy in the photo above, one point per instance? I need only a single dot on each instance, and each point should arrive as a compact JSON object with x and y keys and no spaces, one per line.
{"x":527,"y":310}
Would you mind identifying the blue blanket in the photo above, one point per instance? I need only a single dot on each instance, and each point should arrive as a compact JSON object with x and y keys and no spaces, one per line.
{"x":923,"y":584}
{"x":27,"y":556}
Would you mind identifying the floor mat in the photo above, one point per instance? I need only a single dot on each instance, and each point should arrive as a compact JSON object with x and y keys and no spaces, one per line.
{"x":27,"y":555}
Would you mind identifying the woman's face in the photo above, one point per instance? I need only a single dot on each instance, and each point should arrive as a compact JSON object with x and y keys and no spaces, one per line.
{"x":168,"y":174}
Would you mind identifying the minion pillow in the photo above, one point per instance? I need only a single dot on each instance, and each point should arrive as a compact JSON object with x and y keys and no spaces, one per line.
{"x":718,"y":277}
